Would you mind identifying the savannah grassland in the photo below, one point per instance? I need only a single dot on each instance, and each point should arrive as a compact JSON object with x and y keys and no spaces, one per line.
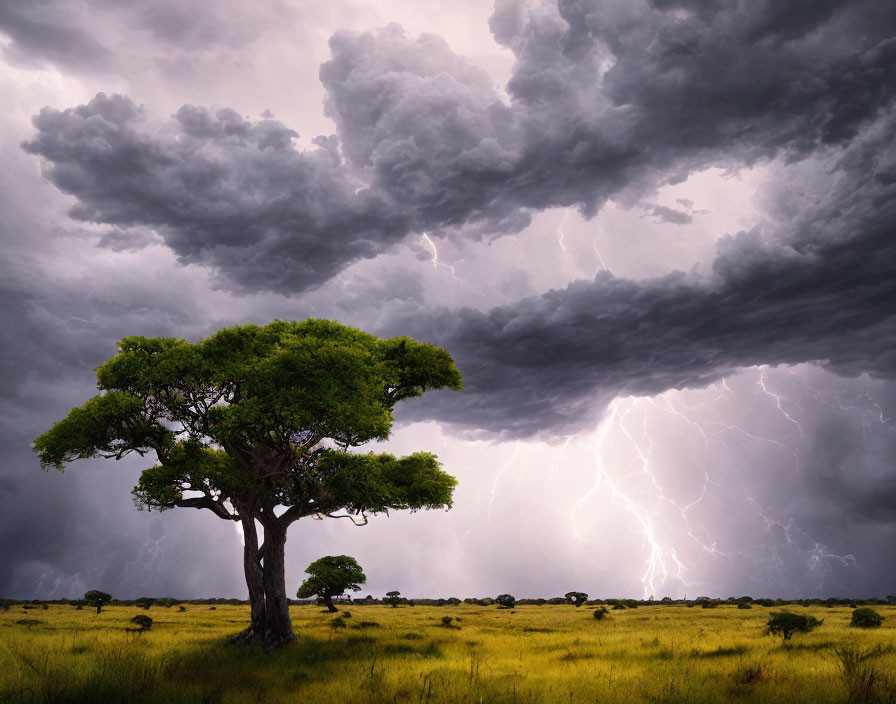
{"x":383,"y":654}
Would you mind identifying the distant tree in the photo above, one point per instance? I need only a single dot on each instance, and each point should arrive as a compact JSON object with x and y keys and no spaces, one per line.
{"x":144,"y":602}
{"x":600,"y":613}
{"x":253,"y":419}
{"x":144,"y":623}
{"x":331,"y":576}
{"x":891,"y":599}
{"x":577,"y":598}
{"x":866,"y":617}
{"x":393,"y":598}
{"x":97,"y":599}
{"x":167,"y":602}
{"x":505,"y":600}
{"x":785,"y":624}
{"x":5,"y":604}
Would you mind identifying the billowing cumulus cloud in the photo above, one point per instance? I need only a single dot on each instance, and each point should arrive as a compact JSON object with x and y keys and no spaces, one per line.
{"x":603,"y":101}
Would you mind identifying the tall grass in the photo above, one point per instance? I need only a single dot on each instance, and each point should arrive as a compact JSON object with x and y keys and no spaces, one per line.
{"x":530,"y":654}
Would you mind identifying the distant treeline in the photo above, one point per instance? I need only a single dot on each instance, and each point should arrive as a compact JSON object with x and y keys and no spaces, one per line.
{"x":704,"y":602}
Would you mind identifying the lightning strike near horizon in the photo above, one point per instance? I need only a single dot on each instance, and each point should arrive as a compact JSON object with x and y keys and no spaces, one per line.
{"x":667,"y":522}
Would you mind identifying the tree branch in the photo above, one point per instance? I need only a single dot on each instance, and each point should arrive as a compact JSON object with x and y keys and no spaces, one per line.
{"x":206,"y":502}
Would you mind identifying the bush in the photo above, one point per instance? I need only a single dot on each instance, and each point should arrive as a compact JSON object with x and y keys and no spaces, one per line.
{"x":744,"y":605}
{"x":143,"y":623}
{"x":866,"y":617}
{"x":785,"y":624}
{"x":505,"y":600}
{"x":600,"y":613}
{"x":29,"y":622}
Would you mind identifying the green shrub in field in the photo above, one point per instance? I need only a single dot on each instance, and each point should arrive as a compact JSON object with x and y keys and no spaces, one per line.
{"x":785,"y":624}
{"x":143,"y":623}
{"x":744,"y":605}
{"x":600,"y":613}
{"x":866,"y":617}
{"x":506,"y":601}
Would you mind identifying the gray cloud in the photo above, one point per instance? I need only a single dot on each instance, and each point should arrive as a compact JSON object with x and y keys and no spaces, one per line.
{"x":817,"y":288}
{"x":601,"y":103}
{"x":220,"y":189}
{"x":48,"y":33}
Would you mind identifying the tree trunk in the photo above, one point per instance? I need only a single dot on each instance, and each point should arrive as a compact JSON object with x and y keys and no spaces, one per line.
{"x":266,"y":580}
{"x":328,"y":600}
{"x":254,"y":576}
{"x":277,"y":624}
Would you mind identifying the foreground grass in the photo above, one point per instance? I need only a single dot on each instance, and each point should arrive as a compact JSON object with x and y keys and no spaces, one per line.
{"x":530,"y":654}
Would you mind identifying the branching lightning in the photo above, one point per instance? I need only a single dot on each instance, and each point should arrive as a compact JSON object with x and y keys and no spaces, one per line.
{"x":630,"y":463}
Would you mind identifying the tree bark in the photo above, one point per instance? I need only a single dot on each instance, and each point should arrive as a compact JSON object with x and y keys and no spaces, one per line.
{"x":328,"y":600}
{"x":277,"y":623}
{"x":270,"y":625}
{"x":254,"y":574}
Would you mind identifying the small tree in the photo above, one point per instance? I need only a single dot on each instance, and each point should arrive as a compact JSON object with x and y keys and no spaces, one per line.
{"x":393,"y":598}
{"x":331,"y":576}
{"x":601,"y":612}
{"x":785,"y":624}
{"x":144,"y":602}
{"x":97,"y":599}
{"x":505,"y":601}
{"x":577,"y":598}
{"x":866,"y":617}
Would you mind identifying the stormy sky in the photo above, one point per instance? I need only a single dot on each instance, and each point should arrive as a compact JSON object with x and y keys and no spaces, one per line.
{"x":657,"y":237}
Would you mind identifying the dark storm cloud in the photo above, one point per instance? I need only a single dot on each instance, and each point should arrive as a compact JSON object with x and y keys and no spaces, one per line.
{"x":822,"y":289}
{"x":220,"y":189}
{"x":603,"y":101}
{"x":47,"y":32}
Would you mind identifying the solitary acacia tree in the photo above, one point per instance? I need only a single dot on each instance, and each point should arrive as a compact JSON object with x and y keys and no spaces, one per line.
{"x":254,"y":425}
{"x":331,"y":576}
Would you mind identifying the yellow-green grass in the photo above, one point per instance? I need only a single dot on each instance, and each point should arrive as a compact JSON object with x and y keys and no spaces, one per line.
{"x":383,"y":654}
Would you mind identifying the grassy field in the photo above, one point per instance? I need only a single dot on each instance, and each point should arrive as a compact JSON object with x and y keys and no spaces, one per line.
{"x":530,"y":654}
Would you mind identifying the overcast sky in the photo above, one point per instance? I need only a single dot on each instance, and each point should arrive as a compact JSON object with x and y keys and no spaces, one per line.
{"x":657,"y":237}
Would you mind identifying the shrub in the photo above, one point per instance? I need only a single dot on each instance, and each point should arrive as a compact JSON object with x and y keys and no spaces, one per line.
{"x":785,"y":624}
{"x":866,"y":617}
{"x":600,"y":613}
{"x":744,"y":605}
{"x":446,"y":622}
{"x":29,"y":622}
{"x":338,"y":622}
{"x":143,"y":623}
{"x":506,"y":601}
